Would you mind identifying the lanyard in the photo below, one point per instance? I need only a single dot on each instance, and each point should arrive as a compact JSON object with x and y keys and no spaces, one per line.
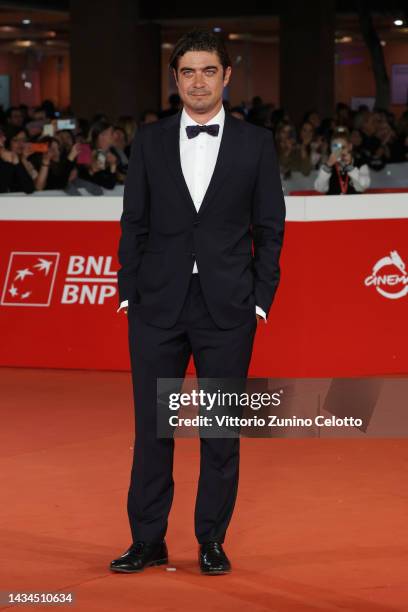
{"x":343,"y":183}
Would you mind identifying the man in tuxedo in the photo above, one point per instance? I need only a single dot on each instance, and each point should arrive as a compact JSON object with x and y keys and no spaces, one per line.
{"x":203,"y":189}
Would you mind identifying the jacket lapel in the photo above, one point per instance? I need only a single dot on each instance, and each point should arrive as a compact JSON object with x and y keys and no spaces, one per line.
{"x":171,"y":149}
{"x":230,"y":145}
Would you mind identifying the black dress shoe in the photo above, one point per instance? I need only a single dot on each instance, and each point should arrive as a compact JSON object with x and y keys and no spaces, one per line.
{"x":139,"y":556}
{"x":213,"y":560}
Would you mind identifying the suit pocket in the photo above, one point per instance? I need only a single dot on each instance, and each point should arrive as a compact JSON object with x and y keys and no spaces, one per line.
{"x":152,"y":272}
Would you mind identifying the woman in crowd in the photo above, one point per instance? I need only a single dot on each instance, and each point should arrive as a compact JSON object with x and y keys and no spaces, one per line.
{"x":129,"y":125}
{"x":66,"y":140}
{"x":312,"y":117}
{"x":119,"y":149}
{"x":13,"y":176}
{"x":394,"y":149}
{"x":55,"y":169}
{"x":342,"y":173}
{"x":293,"y":157}
{"x":16,"y":150}
{"x":103,"y":167}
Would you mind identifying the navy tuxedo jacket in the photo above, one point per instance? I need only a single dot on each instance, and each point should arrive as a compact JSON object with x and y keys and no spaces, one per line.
{"x":235,"y":237}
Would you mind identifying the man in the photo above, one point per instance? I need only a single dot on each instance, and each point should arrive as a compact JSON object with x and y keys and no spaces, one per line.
{"x":201,"y":187}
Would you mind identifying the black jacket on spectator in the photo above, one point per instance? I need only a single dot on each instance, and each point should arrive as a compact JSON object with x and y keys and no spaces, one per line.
{"x":58,"y":172}
{"x":14,"y":177}
{"x":334,"y":184}
{"x":104,"y":178}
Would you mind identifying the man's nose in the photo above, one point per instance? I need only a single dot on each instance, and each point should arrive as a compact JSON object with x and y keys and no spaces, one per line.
{"x":199,"y":80}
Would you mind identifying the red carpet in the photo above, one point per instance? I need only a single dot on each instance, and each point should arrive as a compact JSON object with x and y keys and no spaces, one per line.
{"x":319,"y":524}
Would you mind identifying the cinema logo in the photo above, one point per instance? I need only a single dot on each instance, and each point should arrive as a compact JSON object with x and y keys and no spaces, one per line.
{"x":89,"y":280}
{"x":389,"y":277}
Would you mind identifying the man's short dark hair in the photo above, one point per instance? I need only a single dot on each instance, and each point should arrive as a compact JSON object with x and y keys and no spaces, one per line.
{"x":200,"y":40}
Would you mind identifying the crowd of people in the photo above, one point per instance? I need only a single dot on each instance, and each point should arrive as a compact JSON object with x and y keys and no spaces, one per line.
{"x":43,"y":148}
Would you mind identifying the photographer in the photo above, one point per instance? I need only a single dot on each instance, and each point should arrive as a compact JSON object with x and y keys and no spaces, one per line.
{"x":342,"y":174}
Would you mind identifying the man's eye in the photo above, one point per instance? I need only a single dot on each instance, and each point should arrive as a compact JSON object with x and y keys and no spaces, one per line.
{"x":210,"y":72}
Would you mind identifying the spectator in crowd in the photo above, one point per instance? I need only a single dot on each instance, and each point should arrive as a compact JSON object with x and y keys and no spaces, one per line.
{"x":371,"y":146}
{"x":356,"y":139}
{"x":18,"y":144}
{"x":49,"y":108}
{"x":148,"y":116}
{"x":40,"y":114}
{"x":256,"y":105}
{"x":312,"y":117}
{"x":13,"y":175}
{"x":103,"y":167}
{"x":342,"y":174}
{"x":343,"y":115}
{"x":129,"y":125}
{"x":14,"y":119}
{"x":55,"y":169}
{"x":174,"y":106}
{"x":261,"y":115}
{"x":278,"y":116}
{"x":402,"y":131}
{"x":119,"y":146}
{"x":307,"y":142}
{"x":393,"y":148}
{"x":81,"y":132}
{"x":238,"y":112}
{"x":293,"y":157}
{"x":66,"y":140}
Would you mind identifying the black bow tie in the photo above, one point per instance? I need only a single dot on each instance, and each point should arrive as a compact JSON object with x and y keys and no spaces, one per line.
{"x":194,"y":130}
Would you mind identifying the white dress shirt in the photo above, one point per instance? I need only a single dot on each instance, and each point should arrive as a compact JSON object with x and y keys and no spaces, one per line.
{"x":198,"y":157}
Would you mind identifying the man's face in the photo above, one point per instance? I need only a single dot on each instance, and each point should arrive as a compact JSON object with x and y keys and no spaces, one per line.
{"x":201,"y":80}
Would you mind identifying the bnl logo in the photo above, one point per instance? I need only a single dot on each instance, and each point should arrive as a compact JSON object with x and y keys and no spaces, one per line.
{"x":30,"y":279}
{"x":31,"y":276}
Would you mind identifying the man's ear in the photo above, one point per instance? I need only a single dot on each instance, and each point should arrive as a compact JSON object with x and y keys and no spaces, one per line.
{"x":227,"y":75}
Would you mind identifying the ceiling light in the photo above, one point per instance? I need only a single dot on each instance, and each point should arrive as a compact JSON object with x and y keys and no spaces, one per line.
{"x":24,"y":43}
{"x":26,"y":21}
{"x":398,"y":22}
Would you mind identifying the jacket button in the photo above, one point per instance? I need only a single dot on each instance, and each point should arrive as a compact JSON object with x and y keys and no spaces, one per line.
{"x":196,"y":222}
{"x":193,"y":255}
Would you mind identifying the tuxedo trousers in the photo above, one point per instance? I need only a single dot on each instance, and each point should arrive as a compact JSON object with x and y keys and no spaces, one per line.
{"x":164,"y":353}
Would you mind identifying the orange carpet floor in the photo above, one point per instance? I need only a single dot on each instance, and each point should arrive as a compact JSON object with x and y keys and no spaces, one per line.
{"x":318,"y":525}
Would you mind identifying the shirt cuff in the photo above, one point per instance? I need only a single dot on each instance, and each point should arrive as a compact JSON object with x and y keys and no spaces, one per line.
{"x":261,"y":312}
{"x":123,"y":304}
